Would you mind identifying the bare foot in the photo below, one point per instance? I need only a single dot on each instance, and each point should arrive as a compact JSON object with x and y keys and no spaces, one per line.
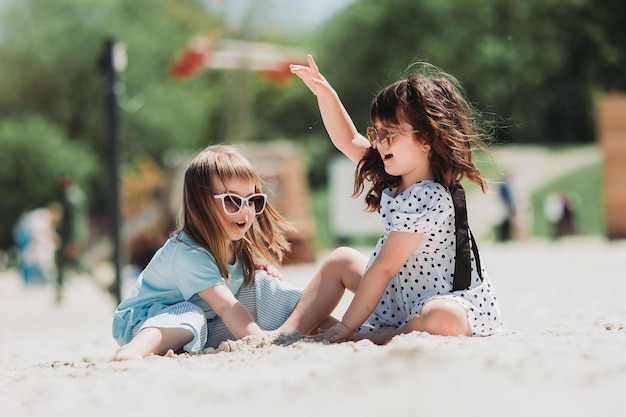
{"x":127,"y":353}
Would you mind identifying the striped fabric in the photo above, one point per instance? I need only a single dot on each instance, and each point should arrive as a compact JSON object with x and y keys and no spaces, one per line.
{"x":268,"y":301}
{"x":184,"y":315}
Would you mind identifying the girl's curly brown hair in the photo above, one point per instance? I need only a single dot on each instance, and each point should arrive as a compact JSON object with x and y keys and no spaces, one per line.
{"x":433,"y":103}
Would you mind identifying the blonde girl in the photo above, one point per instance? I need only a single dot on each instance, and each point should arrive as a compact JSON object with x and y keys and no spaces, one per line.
{"x":204,"y":285}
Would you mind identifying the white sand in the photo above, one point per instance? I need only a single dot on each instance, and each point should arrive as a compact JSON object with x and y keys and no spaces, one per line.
{"x":563,"y":353}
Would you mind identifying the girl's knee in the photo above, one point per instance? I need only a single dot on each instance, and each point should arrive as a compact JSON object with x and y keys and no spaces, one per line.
{"x":345,"y":256}
{"x":345,"y":261}
{"x":343,"y":266}
{"x":341,"y":253}
{"x":445,"y":318}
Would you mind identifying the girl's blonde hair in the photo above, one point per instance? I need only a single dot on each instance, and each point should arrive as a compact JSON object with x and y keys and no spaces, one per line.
{"x":200,"y":217}
{"x":432,"y":102}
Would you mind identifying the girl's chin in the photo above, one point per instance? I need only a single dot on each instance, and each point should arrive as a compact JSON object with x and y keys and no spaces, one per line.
{"x":392,"y":172}
{"x":237,"y":234}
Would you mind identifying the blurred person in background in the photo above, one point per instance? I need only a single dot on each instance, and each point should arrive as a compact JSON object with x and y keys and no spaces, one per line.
{"x":73,"y":229}
{"x":36,"y":243}
{"x":559,"y":211}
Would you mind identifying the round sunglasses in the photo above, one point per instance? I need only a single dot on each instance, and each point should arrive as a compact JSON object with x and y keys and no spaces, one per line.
{"x":233,"y":203}
{"x":383,"y":136}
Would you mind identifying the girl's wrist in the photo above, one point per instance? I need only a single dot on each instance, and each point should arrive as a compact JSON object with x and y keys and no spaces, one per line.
{"x":326,"y":94}
{"x":348,"y":327}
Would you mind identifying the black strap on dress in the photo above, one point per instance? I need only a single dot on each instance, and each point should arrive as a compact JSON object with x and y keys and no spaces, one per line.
{"x":463,"y":262}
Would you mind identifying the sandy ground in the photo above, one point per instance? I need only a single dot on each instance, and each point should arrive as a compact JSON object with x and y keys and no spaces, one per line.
{"x":563,"y":353}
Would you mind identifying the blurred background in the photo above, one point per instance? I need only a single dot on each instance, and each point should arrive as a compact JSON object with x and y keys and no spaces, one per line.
{"x":110,"y":99}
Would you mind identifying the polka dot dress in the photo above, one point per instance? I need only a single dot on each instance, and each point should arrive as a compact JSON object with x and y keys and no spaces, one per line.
{"x":427,"y":208}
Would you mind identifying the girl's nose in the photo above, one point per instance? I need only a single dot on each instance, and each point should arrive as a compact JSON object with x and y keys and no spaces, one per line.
{"x":247,"y":212}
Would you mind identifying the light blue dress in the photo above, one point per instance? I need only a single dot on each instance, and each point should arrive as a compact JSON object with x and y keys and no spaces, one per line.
{"x":166,"y":295}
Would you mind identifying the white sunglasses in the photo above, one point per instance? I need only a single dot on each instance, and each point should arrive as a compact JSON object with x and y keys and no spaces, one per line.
{"x":233,"y":203}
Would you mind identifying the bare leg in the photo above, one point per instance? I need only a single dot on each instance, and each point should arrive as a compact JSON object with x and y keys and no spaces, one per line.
{"x":153,"y":340}
{"x":341,"y":270}
{"x":441,"y":316}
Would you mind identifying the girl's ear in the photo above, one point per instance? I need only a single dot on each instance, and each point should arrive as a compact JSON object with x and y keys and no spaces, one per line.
{"x":425,"y":147}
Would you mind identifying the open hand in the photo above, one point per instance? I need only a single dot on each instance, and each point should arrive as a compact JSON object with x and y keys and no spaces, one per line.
{"x":336,"y":333}
{"x":311,"y":76}
{"x":271,"y":271}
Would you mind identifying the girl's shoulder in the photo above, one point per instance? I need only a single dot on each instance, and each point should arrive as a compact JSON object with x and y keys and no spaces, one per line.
{"x":426,"y":195}
{"x":182,"y":238}
{"x":183,"y":255}
{"x":420,"y":208}
{"x":418,"y":190}
{"x":426,"y":188}
{"x":182,"y":245}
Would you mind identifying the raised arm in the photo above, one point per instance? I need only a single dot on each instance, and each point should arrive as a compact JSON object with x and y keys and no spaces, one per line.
{"x":337,"y":121}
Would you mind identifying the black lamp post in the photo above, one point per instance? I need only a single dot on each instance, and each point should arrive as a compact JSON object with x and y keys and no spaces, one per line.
{"x":112,"y":61}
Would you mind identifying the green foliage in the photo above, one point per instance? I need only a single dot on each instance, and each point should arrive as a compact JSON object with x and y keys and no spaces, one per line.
{"x":171,"y":113}
{"x":529,"y":65}
{"x":532,"y":64}
{"x":320,"y":209}
{"x":50,"y":71}
{"x":34,"y":153}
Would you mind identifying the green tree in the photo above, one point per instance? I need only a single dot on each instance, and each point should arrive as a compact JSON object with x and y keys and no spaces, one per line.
{"x":49,"y":71}
{"x":34,"y":153}
{"x":531,"y":67}
{"x":533,"y":64}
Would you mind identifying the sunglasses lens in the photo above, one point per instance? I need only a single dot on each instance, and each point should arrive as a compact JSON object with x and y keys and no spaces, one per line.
{"x":378,"y":135}
{"x":232,"y":204}
{"x":259,"y":203}
{"x":372,"y":136}
{"x":383,"y":138}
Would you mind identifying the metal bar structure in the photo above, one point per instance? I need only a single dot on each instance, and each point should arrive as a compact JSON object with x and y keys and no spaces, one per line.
{"x":107,"y":66}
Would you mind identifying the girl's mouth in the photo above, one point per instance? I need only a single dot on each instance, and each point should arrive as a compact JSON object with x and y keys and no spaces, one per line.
{"x":387,"y":156}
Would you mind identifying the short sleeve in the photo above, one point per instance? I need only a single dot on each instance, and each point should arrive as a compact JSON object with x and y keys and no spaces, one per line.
{"x":423,"y":208}
{"x":194,"y":270}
